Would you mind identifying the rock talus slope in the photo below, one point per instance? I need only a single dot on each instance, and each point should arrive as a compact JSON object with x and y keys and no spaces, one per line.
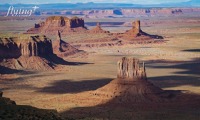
{"x":26,"y":52}
{"x":131,"y":85}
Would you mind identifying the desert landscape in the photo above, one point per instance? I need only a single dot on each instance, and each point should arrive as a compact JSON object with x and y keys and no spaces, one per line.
{"x":104,"y":63}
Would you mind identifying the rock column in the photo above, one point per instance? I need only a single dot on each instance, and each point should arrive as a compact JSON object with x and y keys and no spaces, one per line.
{"x":130,"y":68}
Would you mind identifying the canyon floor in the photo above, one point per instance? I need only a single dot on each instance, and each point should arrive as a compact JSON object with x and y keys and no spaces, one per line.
{"x":171,"y":65}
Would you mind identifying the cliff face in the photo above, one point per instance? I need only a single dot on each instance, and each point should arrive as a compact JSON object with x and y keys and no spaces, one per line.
{"x":136,"y":29}
{"x":55,"y":23}
{"x":27,"y":46}
{"x":131,"y":69}
{"x":8,"y":48}
{"x":27,"y":52}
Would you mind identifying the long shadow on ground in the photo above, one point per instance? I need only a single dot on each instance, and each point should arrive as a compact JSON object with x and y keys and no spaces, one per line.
{"x":182,"y":106}
{"x":187,"y":67}
{"x":191,"y":50}
{"x":5,"y":70}
{"x":175,"y":81}
{"x":69,"y":86}
{"x":189,"y":73}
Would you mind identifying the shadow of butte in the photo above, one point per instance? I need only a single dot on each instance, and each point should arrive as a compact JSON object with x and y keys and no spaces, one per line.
{"x":69,"y":86}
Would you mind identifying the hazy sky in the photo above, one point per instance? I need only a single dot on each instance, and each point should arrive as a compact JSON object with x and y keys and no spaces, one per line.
{"x":97,"y":1}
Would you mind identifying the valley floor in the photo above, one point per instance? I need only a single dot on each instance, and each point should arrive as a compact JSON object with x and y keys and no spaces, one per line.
{"x":172,"y":65}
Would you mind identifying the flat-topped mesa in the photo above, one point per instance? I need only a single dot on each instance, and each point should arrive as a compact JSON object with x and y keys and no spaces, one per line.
{"x":130,"y":69}
{"x":27,"y":46}
{"x":61,"y":21}
{"x":54,"y":23}
{"x":36,"y":46}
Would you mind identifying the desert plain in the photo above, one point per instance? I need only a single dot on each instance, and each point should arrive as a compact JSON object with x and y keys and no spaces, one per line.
{"x":173,"y":64}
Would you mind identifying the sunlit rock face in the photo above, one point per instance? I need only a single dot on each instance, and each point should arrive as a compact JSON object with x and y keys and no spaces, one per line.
{"x":15,"y":47}
{"x":58,"y":23}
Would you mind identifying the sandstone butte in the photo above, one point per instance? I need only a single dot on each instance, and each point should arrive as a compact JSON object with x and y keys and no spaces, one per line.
{"x":98,"y":29}
{"x":27,"y":52}
{"x":59,"y":23}
{"x":77,"y":25}
{"x":25,"y":46}
{"x":64,"y":49}
{"x":131,"y":85}
{"x":136,"y":32}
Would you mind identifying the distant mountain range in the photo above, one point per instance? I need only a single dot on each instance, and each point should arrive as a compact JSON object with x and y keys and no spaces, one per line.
{"x":91,"y":5}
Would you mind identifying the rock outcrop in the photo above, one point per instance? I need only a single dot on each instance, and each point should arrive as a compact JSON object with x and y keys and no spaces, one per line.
{"x":136,"y":29}
{"x":5,"y":101}
{"x":131,"y":85}
{"x":98,"y":29}
{"x":14,"y":47}
{"x":27,"y":52}
{"x":10,"y":111}
{"x":55,"y":23}
{"x":8,"y":48}
{"x":137,"y":32}
{"x":131,"y":69}
{"x":64,"y":49}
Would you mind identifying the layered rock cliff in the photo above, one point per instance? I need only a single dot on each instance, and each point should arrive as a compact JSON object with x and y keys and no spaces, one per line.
{"x":27,"y":52}
{"x":55,"y":23}
{"x":14,"y":47}
{"x":131,"y":69}
{"x":9,"y":48}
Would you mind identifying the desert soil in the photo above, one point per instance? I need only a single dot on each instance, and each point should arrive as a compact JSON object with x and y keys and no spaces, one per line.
{"x":172,"y":65}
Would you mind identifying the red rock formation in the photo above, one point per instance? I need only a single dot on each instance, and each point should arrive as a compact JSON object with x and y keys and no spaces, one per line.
{"x":8,"y":48}
{"x":131,"y":69}
{"x":25,"y":46}
{"x":98,"y":29}
{"x":136,"y":29}
{"x":131,"y":85}
{"x":26,"y":52}
{"x":64,"y":49}
{"x":55,"y":23}
{"x":137,"y":32}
